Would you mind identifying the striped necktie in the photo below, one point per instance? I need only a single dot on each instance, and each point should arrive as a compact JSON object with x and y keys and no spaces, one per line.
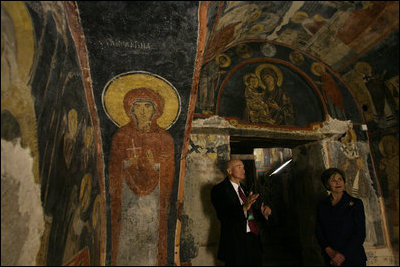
{"x":250,"y":217}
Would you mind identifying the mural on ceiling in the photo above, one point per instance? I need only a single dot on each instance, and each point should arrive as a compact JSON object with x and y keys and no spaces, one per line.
{"x":374,"y":81}
{"x":376,"y":94}
{"x":56,"y":126}
{"x":335,"y":32}
{"x":141,"y":166}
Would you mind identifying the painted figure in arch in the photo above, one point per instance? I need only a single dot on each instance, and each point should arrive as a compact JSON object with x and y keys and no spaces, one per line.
{"x":357,"y":79}
{"x":256,"y":109}
{"x":244,"y":51}
{"x":79,"y":204}
{"x":88,"y":149}
{"x":279,"y":103}
{"x":330,"y":91}
{"x":296,"y":58}
{"x":209,"y":81}
{"x":71,"y":132}
{"x":141,"y":173}
{"x":379,"y":92}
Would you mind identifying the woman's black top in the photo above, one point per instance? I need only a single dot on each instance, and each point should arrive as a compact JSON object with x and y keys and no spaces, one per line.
{"x":342,"y":227}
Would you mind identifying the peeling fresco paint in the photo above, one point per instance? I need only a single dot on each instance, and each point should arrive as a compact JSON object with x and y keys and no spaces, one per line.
{"x":23,"y":225}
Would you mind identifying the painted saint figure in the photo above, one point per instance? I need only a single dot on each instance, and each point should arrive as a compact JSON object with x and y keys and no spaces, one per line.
{"x":279,"y":103}
{"x":330,"y":91}
{"x":141,"y":173}
{"x":256,"y":109}
{"x":71,"y":132}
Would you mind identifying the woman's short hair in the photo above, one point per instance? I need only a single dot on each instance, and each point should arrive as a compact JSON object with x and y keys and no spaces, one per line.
{"x":328,"y":173}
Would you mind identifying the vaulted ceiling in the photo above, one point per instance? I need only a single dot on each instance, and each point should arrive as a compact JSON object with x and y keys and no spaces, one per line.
{"x":336,"y":32}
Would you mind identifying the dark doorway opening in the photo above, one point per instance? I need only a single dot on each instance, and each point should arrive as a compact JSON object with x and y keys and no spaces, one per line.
{"x":283,"y":234}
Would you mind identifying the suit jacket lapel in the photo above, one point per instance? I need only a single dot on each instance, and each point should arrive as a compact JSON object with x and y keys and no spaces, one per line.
{"x":231,"y":191}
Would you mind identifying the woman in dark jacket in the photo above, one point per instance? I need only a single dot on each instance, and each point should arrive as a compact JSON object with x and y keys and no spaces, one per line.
{"x":340,"y":226}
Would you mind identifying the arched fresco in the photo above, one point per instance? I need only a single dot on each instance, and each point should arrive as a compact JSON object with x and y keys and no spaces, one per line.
{"x":274,"y":100}
{"x":301,"y":77}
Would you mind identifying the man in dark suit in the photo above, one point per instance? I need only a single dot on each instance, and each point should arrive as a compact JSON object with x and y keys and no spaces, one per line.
{"x":239,"y":241}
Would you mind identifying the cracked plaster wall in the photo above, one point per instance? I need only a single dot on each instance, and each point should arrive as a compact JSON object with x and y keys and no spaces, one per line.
{"x":22,"y":221}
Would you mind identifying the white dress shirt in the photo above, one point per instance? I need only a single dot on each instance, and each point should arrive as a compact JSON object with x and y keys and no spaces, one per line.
{"x":236,"y":187}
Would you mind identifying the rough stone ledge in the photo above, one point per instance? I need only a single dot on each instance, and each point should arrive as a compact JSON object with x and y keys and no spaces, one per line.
{"x":331,"y":128}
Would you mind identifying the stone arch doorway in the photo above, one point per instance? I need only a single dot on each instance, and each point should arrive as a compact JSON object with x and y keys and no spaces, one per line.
{"x":212,"y":142}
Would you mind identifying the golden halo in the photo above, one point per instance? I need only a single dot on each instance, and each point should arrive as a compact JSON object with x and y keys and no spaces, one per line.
{"x":319,"y":18}
{"x":274,"y":68}
{"x":85,"y":191}
{"x":387,"y":139}
{"x":258,"y":28}
{"x":116,"y":89}
{"x":255,"y":15}
{"x":244,"y":51}
{"x":248,"y":75}
{"x":88,"y":136}
{"x":96,"y":211}
{"x":314,"y":67}
{"x":363,"y":68}
{"x":223,"y":64}
{"x":296,"y":58}
{"x":72,"y":121}
{"x":299,"y":17}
